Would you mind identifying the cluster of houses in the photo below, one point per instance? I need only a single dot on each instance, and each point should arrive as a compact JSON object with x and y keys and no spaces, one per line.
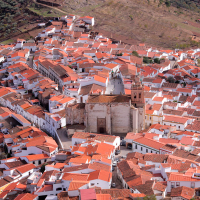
{"x":70,"y":76}
{"x":37,"y":169}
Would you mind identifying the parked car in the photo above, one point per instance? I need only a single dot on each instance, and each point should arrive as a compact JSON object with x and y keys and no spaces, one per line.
{"x":113,"y":185}
{"x":123,"y":157}
{"x":117,"y":152}
{"x":129,"y":146}
{"x":123,"y":143}
{"x":114,"y":164}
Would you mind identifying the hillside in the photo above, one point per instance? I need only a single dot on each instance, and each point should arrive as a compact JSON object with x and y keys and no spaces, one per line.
{"x":151,"y":21}
{"x":164,"y":23}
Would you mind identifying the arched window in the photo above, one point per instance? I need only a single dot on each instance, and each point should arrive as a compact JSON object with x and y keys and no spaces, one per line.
{"x":134,"y":95}
{"x":140,"y":95}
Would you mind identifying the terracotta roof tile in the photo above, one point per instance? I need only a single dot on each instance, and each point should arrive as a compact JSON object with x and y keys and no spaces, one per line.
{"x":184,"y":192}
{"x":108,"y":98}
{"x":175,"y":119}
{"x":26,"y":196}
{"x":146,"y":188}
{"x":149,"y":142}
{"x":181,"y":177}
{"x":75,"y":185}
{"x":99,"y":166}
{"x":100,"y":137}
{"x":195,"y":126}
{"x":115,"y":193}
{"x":159,"y":186}
{"x":100,"y":174}
{"x":25,"y":168}
{"x":158,"y":158}
{"x":76,"y":177}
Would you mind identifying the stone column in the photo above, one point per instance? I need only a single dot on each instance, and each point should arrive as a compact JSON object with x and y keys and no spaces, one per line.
{"x":135,"y":120}
{"x":108,"y":120}
{"x":86,"y":118}
{"x":141,"y":119}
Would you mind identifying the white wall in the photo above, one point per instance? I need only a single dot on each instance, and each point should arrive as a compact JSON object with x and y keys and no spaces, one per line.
{"x":100,"y":183}
{"x":143,"y":149}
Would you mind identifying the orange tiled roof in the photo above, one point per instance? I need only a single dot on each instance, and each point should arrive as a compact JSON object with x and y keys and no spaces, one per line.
{"x":100,"y":174}
{"x":76,"y":177}
{"x":75,"y":185}
{"x":149,"y":142}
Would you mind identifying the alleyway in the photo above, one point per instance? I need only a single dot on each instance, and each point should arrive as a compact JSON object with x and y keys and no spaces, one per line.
{"x":66,"y":142}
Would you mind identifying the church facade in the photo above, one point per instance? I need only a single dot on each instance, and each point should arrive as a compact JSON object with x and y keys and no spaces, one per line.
{"x":115,"y":114}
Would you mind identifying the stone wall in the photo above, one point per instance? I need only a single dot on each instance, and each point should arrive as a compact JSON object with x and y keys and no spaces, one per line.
{"x":116,"y":115}
{"x":75,"y":114}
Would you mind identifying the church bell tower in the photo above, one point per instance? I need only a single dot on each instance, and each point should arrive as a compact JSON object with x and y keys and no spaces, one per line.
{"x":137,"y":94}
{"x":138,"y":106}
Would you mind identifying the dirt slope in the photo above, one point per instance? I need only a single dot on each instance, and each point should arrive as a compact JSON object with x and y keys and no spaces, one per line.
{"x":138,"y":20}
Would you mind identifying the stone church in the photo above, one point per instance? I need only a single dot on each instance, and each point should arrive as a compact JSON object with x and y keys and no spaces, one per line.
{"x":115,"y":114}
{"x":110,"y":114}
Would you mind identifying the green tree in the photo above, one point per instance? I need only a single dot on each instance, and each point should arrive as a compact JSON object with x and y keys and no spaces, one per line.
{"x":198,"y":62}
{"x":119,"y":54}
{"x":42,"y":169}
{"x":146,"y":60}
{"x":171,"y":79}
{"x":9,"y":155}
{"x":167,"y":3}
{"x":5,"y":149}
{"x":157,"y":60}
{"x":135,"y":53}
{"x":151,"y":197}
{"x":2,"y":155}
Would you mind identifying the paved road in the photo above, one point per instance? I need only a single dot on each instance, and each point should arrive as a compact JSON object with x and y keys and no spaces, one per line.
{"x":30,"y":60}
{"x":124,"y":152}
{"x":116,"y":180}
{"x":172,"y":63}
{"x":66,"y":142}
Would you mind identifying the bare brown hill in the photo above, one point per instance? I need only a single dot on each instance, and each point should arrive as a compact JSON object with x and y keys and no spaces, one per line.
{"x":150,"y":21}
{"x":163,"y":23}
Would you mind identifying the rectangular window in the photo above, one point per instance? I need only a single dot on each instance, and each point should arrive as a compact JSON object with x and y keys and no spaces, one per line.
{"x":147,"y":150}
{"x":136,"y":146}
{"x":172,"y":184}
{"x":192,"y":185}
{"x":177,"y":184}
{"x":141,"y":148}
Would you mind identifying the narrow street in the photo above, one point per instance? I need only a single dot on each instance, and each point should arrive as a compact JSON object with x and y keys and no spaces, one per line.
{"x":66,"y":142}
{"x":124,"y":152}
